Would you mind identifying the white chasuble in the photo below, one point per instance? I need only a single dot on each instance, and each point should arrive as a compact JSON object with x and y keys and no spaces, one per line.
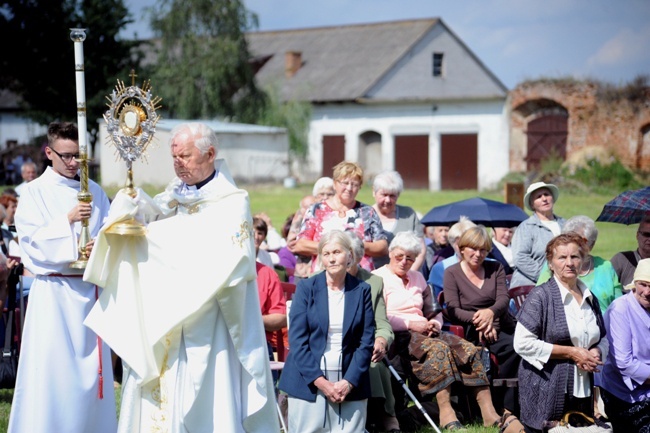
{"x":181,"y":308}
{"x":57,"y":388}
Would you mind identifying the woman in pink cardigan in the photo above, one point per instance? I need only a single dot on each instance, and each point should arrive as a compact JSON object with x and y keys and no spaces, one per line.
{"x":421,"y":352}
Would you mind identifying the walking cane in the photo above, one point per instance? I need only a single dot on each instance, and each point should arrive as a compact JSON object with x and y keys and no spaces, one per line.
{"x":410,"y":394}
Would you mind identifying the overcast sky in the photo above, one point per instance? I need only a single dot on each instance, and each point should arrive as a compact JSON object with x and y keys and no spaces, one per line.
{"x":516,"y":39}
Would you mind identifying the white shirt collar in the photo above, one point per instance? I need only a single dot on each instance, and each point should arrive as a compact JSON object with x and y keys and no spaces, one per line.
{"x":567,"y":296}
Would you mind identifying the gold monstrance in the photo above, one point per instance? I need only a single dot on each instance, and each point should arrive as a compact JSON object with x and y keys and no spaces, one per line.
{"x":131,"y":123}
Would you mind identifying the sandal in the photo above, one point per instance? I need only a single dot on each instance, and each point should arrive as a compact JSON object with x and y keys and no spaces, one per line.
{"x":496,"y":423}
{"x":507,"y":419}
{"x":454,"y":426}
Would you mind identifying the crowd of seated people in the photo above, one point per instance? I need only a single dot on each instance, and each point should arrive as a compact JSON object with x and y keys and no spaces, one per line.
{"x":368,"y":278}
{"x":475,"y":279}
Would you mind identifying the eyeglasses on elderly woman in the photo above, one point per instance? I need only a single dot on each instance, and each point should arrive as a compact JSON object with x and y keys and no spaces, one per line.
{"x":399,"y":257}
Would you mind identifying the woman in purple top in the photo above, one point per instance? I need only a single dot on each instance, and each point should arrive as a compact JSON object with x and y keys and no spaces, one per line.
{"x":625,"y":379}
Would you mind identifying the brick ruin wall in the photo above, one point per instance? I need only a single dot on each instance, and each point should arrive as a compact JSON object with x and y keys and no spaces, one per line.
{"x":620,"y":126}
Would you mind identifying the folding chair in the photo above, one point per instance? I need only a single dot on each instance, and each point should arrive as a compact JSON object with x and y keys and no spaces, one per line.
{"x":519,"y":294}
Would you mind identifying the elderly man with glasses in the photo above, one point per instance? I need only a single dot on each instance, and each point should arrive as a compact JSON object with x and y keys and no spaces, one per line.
{"x":186,"y":321}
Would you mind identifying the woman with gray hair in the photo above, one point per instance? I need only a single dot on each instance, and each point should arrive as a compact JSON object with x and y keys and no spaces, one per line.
{"x":323,"y":189}
{"x":429,"y":358}
{"x":597,"y":273}
{"x":386,"y":189}
{"x":331,"y":338}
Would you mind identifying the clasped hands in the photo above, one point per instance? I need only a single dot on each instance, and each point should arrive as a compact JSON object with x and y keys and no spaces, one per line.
{"x":482,"y":321}
{"x":430,"y":328}
{"x":587,"y":359}
{"x":333,"y":391}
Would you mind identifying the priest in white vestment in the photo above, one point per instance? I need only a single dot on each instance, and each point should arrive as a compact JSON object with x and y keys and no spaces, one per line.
{"x":180,"y":305}
{"x":65,"y":378}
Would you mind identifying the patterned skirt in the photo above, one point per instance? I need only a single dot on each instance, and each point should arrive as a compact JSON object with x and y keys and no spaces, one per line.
{"x":438,"y":362}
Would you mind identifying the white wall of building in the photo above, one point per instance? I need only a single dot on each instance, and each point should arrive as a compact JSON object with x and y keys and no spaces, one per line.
{"x":17,"y":128}
{"x":253,"y":154}
{"x":485,"y":118}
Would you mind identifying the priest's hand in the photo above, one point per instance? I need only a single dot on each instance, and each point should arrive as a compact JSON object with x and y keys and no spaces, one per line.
{"x":89,"y":247}
{"x":81,"y":211}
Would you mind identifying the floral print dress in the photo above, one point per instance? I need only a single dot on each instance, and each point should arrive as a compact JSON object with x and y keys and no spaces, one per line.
{"x":361,"y":219}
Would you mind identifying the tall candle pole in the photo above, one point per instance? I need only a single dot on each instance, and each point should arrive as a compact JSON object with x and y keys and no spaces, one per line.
{"x":78,"y":36}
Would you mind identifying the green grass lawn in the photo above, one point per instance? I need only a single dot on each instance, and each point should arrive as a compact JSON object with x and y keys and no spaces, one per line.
{"x":7,"y":394}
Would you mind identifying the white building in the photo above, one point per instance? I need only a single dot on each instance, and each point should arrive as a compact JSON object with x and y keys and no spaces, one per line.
{"x":15,"y":129}
{"x":403,"y":95}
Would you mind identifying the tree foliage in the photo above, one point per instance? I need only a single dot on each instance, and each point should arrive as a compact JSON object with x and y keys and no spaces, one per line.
{"x":38,"y":55}
{"x":292,"y":115}
{"x":203,"y":68}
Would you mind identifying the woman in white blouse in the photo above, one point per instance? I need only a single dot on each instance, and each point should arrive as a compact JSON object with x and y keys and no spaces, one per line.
{"x":560,"y":336}
{"x":332,"y":335}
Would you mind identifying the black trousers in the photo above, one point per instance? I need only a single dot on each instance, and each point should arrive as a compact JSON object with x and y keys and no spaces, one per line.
{"x":627,"y":417}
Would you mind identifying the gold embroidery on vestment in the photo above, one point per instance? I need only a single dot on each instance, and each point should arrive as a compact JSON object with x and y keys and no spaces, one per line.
{"x":191,"y":208}
{"x":159,"y":394}
{"x":245,"y":232}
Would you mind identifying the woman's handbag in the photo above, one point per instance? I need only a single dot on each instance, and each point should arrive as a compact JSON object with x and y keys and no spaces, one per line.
{"x":8,"y":362}
{"x":437,"y":308}
{"x":576,"y":422}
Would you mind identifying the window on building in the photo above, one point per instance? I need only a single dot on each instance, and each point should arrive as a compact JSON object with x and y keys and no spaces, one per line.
{"x":437,"y":64}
